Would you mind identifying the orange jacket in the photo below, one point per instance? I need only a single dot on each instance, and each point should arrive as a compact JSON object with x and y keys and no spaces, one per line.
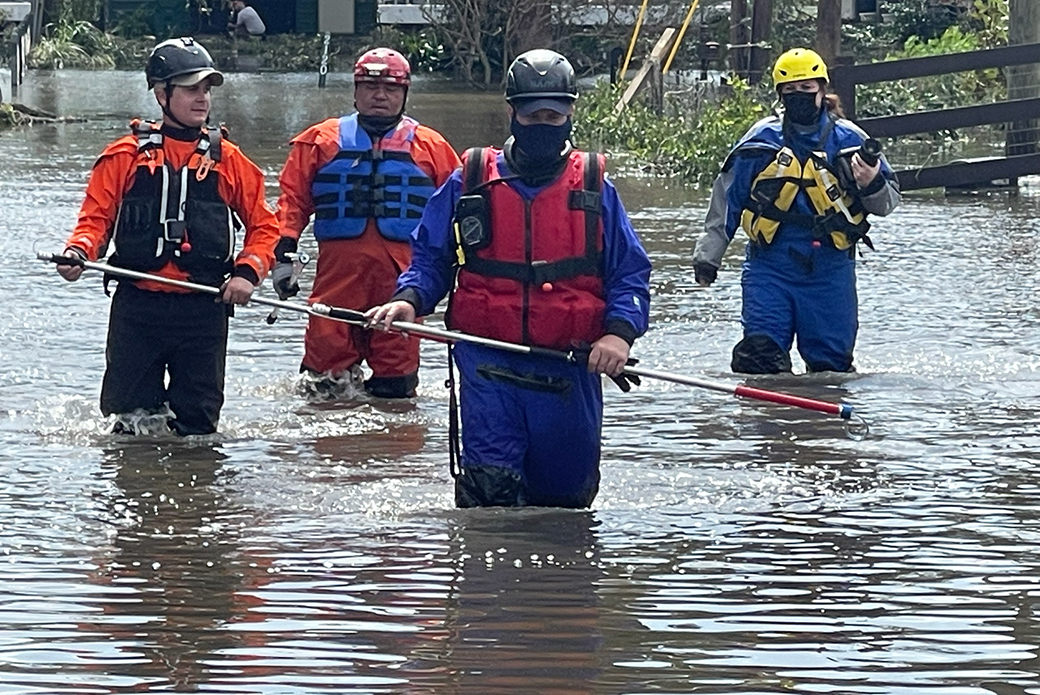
{"x":316,"y":146}
{"x":241,"y":185}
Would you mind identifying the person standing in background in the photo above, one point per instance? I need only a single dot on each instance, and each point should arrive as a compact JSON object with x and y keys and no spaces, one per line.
{"x":365,"y":178}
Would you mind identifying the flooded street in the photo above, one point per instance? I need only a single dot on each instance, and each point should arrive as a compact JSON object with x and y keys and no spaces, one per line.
{"x":734,"y":548}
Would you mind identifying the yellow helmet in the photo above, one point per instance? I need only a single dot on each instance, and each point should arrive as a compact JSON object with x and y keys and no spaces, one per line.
{"x":799,"y":64}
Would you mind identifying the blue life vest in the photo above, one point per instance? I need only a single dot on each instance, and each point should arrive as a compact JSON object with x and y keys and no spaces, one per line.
{"x":361,"y":183}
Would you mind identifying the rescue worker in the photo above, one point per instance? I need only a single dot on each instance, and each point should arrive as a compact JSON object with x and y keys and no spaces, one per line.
{"x":169,"y":198}
{"x":535,"y":247}
{"x":800,"y":188}
{"x":366,"y":178}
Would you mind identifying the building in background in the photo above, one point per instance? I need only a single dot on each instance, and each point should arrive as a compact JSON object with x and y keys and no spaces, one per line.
{"x":172,"y":17}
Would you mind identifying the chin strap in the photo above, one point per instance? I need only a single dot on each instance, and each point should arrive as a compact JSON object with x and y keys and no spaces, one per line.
{"x":166,"y":108}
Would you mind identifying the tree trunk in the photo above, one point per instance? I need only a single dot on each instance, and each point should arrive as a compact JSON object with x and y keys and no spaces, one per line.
{"x":739,"y":35}
{"x":532,"y":29}
{"x":828,"y":29}
{"x":761,"y":31}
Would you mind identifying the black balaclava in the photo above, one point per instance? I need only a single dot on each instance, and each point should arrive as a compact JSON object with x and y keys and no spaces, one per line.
{"x":378,"y":126}
{"x":537,"y":152}
{"x":800,"y":107}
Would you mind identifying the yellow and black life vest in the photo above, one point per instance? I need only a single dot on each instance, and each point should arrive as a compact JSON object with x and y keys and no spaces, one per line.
{"x":839,"y":215}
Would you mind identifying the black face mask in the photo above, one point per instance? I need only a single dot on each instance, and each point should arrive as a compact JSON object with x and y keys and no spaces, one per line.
{"x":378,"y":126}
{"x":800,"y":107}
{"x":541,"y":144}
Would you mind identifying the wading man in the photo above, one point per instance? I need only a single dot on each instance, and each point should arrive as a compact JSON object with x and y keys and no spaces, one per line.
{"x":535,"y":247}
{"x":366,"y":178}
{"x":169,"y":198}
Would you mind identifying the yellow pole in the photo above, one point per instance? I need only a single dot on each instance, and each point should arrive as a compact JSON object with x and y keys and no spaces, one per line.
{"x":678,"y":39}
{"x":632,"y":43}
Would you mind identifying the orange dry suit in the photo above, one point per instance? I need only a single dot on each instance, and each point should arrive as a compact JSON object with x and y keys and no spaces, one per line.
{"x":171,"y":206}
{"x":366,"y":197}
{"x":169,"y":201}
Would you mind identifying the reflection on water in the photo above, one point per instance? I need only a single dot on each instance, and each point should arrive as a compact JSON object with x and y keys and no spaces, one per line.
{"x":736,"y":547}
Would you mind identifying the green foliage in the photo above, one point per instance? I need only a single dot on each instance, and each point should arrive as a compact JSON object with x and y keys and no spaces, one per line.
{"x":794,"y":25}
{"x":988,"y":19}
{"x":424,"y":49}
{"x":73,"y":44}
{"x":690,"y":144}
{"x":289,"y":52}
{"x":9,"y":117}
{"x":940,"y":91}
{"x":924,"y":19}
{"x":78,"y":10}
{"x":132,"y":24}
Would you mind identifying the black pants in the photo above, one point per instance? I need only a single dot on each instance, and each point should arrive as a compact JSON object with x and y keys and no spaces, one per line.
{"x":152,"y":333}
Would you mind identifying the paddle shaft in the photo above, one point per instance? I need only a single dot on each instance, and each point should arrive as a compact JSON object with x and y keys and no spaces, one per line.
{"x":445,"y":336}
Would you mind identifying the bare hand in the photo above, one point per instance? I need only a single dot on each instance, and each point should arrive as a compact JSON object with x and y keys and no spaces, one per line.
{"x":862,"y":173}
{"x":71,"y":272}
{"x":390,"y":312}
{"x":608,"y":355}
{"x":236,"y":291}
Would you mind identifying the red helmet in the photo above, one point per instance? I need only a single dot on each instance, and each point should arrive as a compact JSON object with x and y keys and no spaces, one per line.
{"x":382,"y":65}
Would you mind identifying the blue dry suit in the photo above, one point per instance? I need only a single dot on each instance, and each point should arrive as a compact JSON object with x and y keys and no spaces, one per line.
{"x":360,"y":183}
{"x":530,"y":425}
{"x":800,"y":284}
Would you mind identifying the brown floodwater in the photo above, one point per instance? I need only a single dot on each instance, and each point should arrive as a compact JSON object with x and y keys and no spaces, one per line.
{"x":734,"y":548}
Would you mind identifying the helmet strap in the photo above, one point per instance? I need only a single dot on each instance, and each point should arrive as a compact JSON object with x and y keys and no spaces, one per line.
{"x":168,"y":91}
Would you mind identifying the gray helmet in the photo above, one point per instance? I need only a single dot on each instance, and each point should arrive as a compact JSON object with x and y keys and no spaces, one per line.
{"x":180,"y":61}
{"x":541,"y":74}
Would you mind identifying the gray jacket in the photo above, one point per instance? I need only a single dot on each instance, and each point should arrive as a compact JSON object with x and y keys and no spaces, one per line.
{"x":713,"y":243}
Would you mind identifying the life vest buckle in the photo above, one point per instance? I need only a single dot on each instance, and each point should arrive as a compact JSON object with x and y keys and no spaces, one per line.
{"x":174,"y":231}
{"x":584,"y":200}
{"x":204,"y":168}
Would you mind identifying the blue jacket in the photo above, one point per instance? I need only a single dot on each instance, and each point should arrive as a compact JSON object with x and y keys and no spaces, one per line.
{"x":757,"y":149}
{"x":626,"y":267}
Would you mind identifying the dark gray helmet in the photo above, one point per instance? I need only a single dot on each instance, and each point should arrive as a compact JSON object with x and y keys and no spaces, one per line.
{"x":181,"y":62}
{"x":541,"y":74}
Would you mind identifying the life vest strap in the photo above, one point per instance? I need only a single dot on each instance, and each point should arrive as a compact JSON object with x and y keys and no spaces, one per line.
{"x":537,"y":273}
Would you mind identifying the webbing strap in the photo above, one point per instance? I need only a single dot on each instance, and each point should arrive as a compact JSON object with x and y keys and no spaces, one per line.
{"x":588,"y":200}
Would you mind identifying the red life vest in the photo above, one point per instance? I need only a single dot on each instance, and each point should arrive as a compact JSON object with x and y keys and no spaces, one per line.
{"x":534,"y":277}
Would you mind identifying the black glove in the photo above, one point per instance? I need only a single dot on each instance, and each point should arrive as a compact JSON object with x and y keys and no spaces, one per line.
{"x":286,"y":245}
{"x":704,"y":273}
{"x":281,"y":277}
{"x":623,"y":381}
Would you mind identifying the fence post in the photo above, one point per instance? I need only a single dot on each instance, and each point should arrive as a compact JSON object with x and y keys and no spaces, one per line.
{"x":19,"y":47}
{"x":843,"y":85}
{"x":1023,"y":81}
